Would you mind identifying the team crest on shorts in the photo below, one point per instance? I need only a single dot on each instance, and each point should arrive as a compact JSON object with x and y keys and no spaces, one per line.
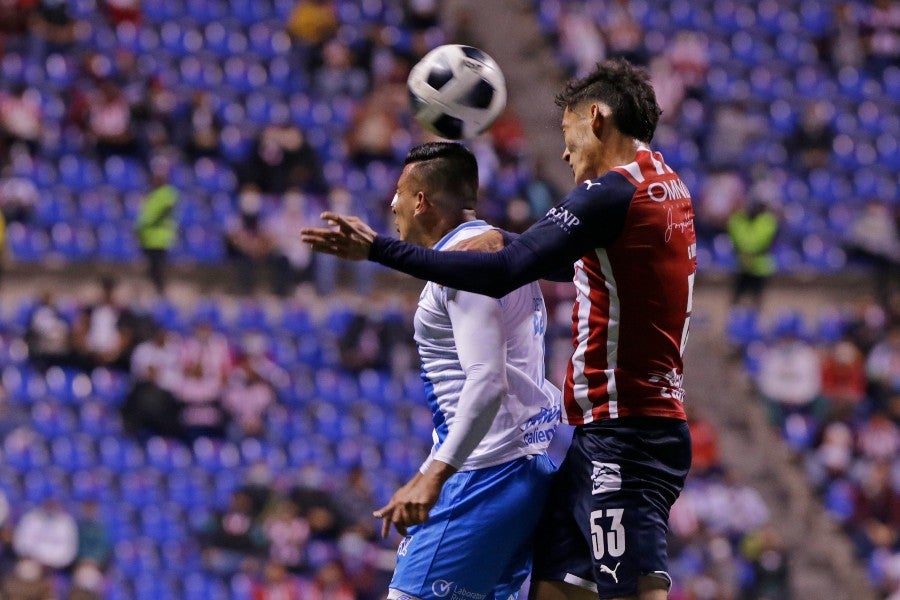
{"x":606,"y":477}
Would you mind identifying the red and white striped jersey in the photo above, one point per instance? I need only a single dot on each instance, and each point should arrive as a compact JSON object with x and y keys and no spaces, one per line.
{"x":634,"y":293}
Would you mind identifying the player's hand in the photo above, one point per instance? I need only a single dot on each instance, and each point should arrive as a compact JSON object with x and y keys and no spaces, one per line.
{"x":489,"y":241}
{"x":409,"y":505}
{"x":347,"y":237}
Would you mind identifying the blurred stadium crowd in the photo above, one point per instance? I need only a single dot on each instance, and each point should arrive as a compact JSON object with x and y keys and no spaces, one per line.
{"x":121,"y":439}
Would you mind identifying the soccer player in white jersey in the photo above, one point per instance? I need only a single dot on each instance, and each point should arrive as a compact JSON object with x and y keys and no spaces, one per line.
{"x":473,"y":506}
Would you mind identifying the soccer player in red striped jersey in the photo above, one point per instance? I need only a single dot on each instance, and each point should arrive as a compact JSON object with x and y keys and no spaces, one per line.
{"x":627,"y":227}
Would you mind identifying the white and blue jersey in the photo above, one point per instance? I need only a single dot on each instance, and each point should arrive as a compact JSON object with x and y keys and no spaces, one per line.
{"x":494,"y":416}
{"x":527,"y":417}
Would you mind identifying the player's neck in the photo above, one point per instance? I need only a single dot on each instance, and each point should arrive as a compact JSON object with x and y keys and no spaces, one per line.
{"x":620,"y":150}
{"x":446,"y":225}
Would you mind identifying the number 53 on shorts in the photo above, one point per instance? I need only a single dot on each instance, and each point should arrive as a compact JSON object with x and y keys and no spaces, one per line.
{"x":607,"y":532}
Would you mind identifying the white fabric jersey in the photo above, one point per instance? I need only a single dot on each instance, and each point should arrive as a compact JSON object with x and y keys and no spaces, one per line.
{"x":483,"y":366}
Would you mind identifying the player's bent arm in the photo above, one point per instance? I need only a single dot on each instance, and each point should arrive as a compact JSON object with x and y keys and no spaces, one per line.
{"x":481,"y":347}
{"x":538,"y":252}
{"x":592,"y":215}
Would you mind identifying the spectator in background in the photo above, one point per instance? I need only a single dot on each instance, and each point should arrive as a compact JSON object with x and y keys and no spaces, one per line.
{"x":4,"y":253}
{"x":52,"y":28}
{"x":765,"y":551}
{"x":156,"y":226}
{"x":689,"y":55}
{"x":249,"y":245}
{"x":338,"y":76}
{"x":420,"y":15}
{"x":329,"y":583}
{"x":723,"y":194}
{"x":209,"y":347}
{"x":103,"y":334}
{"x":47,"y":534}
{"x":873,"y":238}
{"x":581,"y":42}
{"x":247,"y":399}
{"x":362,"y":344}
{"x":704,"y":446}
{"x":18,"y":197}
{"x":281,"y":159}
{"x":876,"y":509}
{"x":883,"y":366}
{"x":28,"y":581}
{"x":878,"y":438}
{"x":150,"y":406}
{"x":122,"y":11}
{"x":624,"y":35}
{"x":87,"y":582}
{"x":109,"y":121}
{"x":94,"y":544}
{"x":292,"y":259}
{"x":843,"y":45}
{"x":843,"y":378}
{"x":790,"y":376}
{"x":881,"y":31}
{"x":311,"y":24}
{"x":752,"y":230}
{"x":21,"y":118}
{"x":811,"y":140}
{"x":278,"y":584}
{"x":288,"y":534}
{"x":231,"y":535}
{"x":375,"y":126}
{"x":199,"y":397}
{"x":202,"y":127}
{"x":735,"y":125}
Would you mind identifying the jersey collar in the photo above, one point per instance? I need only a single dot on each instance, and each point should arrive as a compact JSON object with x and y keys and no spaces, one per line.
{"x":466,"y":225}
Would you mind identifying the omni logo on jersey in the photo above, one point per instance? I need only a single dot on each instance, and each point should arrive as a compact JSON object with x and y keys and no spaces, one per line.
{"x":660,"y":191}
{"x":606,"y":477}
{"x":441,"y":587}
{"x":562,"y":217}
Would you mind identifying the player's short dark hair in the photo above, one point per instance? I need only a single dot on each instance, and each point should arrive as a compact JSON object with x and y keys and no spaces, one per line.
{"x":447,"y":167}
{"x":625,"y":88}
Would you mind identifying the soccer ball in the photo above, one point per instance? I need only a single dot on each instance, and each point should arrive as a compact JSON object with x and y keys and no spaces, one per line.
{"x":456,"y":91}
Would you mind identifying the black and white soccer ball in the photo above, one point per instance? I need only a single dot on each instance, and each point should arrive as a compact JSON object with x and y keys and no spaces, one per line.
{"x":456,"y":91}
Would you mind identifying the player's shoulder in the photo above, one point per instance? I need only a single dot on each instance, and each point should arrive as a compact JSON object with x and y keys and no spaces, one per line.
{"x":611,"y":184}
{"x":611,"y":189}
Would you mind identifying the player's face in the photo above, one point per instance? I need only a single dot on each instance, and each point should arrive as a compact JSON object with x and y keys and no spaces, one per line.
{"x":404,"y":206}
{"x":582,"y":150}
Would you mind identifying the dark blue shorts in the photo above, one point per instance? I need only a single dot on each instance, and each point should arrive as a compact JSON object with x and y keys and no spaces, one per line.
{"x":606,"y":520}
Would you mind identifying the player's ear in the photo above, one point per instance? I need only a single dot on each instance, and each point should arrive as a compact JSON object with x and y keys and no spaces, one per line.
{"x":598,"y":120}
{"x":422,"y":203}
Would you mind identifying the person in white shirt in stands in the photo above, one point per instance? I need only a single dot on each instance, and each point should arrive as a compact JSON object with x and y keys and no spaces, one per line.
{"x":472,"y":508}
{"x":48,"y":535}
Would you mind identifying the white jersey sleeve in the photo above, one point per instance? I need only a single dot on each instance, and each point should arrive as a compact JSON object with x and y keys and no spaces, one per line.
{"x":481,"y":346}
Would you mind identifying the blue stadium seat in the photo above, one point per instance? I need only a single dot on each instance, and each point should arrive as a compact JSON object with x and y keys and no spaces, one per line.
{"x":68,"y":385}
{"x":189,"y":488}
{"x":39,"y":484}
{"x":25,"y":453}
{"x":51,"y":419}
{"x":840,"y":500}
{"x":142,"y":487}
{"x":73,"y":453}
{"x":78,"y":173}
{"x":251,"y":315}
{"x":56,"y":206}
{"x":167,"y":455}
